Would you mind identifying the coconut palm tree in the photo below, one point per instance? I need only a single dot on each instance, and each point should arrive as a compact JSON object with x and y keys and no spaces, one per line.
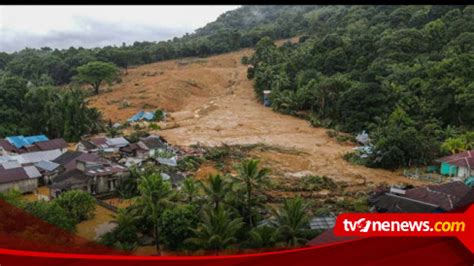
{"x":155,"y":194}
{"x":263,"y":237}
{"x":216,"y":189}
{"x":190,"y":189}
{"x":253,"y":180}
{"x":292,"y":220}
{"x":217,"y":230}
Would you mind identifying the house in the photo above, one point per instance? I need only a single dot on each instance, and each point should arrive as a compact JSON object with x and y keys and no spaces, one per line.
{"x":12,"y":176}
{"x":153,"y":144}
{"x":395,"y":203}
{"x":49,"y":170}
{"x":135,"y":151}
{"x":53,"y":144}
{"x":434,"y":198}
{"x":92,"y":145}
{"x":22,"y":141}
{"x":88,"y":172}
{"x":31,"y":158}
{"x":459,"y":165}
{"x":114,"y":144}
{"x":107,"y":145}
{"x":6,"y":148}
{"x":149,"y":116}
{"x":148,"y":147}
{"x":321,"y":223}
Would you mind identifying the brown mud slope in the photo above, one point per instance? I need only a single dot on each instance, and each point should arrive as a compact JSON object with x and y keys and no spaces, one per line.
{"x":211,"y":102}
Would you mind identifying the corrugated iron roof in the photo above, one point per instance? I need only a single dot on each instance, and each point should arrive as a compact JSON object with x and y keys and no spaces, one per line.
{"x":10,"y":164}
{"x":322,"y":222}
{"x":22,"y":141}
{"x":32,"y":171}
{"x":34,"y":157}
{"x":117,"y":142}
{"x":12,"y":175}
{"x":445,"y":195}
{"x":8,"y":146}
{"x":51,"y":144}
{"x":462,"y":159}
{"x":98,"y":141}
{"x":47,"y":165}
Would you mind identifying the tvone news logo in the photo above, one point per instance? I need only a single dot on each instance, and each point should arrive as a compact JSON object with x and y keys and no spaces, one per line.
{"x":364,"y":225}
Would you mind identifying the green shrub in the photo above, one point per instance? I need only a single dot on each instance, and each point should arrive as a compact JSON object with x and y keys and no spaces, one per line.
{"x":159,"y":115}
{"x":79,"y":205}
{"x":175,"y":226}
{"x":154,"y":126}
{"x":51,"y":212}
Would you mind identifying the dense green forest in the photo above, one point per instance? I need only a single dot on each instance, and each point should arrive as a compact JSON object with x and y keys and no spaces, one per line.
{"x":403,"y":73}
{"x":233,"y":30}
{"x":28,"y":109}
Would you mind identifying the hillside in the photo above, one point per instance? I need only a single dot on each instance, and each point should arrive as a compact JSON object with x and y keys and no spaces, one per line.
{"x":212,"y":102}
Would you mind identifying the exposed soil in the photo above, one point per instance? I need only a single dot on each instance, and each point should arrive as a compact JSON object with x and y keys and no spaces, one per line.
{"x":211,"y":101}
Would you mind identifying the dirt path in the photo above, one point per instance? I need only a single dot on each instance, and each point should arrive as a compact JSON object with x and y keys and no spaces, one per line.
{"x":212,"y":102}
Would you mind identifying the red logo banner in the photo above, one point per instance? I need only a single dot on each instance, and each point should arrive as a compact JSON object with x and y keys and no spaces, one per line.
{"x":460,"y":225}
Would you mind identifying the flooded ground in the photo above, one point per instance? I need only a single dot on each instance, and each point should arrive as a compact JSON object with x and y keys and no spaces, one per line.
{"x":89,"y":229}
{"x":97,"y":226}
{"x":40,"y":193}
{"x":120,"y":203}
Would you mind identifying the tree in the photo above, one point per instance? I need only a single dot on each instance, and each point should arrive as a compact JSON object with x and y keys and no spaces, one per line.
{"x":216,"y":189}
{"x":175,"y":225}
{"x":79,"y":205}
{"x":253,"y":180}
{"x":217,"y":230}
{"x":52,"y":213}
{"x":453,"y":145}
{"x":292,"y":220}
{"x":154,"y":196}
{"x":60,"y":113}
{"x":263,"y":237}
{"x":124,"y":235}
{"x":190,"y":190}
{"x":96,"y":72}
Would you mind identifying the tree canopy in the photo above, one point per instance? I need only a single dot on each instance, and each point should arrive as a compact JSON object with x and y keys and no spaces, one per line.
{"x":403,"y":73}
{"x":95,"y":73}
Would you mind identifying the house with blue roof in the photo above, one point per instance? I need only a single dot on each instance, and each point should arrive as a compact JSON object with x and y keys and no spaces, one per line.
{"x":22,"y":141}
{"x":142,"y":115}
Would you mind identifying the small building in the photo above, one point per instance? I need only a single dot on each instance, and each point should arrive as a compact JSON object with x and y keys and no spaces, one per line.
{"x":105,"y":145}
{"x":266,"y":98}
{"x":53,"y":144}
{"x":6,"y":148}
{"x":114,"y":144}
{"x":49,"y":170}
{"x":142,"y":115}
{"x":322,"y":223}
{"x":458,"y":165}
{"x":151,"y":147}
{"x":31,"y":158}
{"x":25,"y":179}
{"x":434,"y":198}
{"x":22,"y":141}
{"x":88,"y":172}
